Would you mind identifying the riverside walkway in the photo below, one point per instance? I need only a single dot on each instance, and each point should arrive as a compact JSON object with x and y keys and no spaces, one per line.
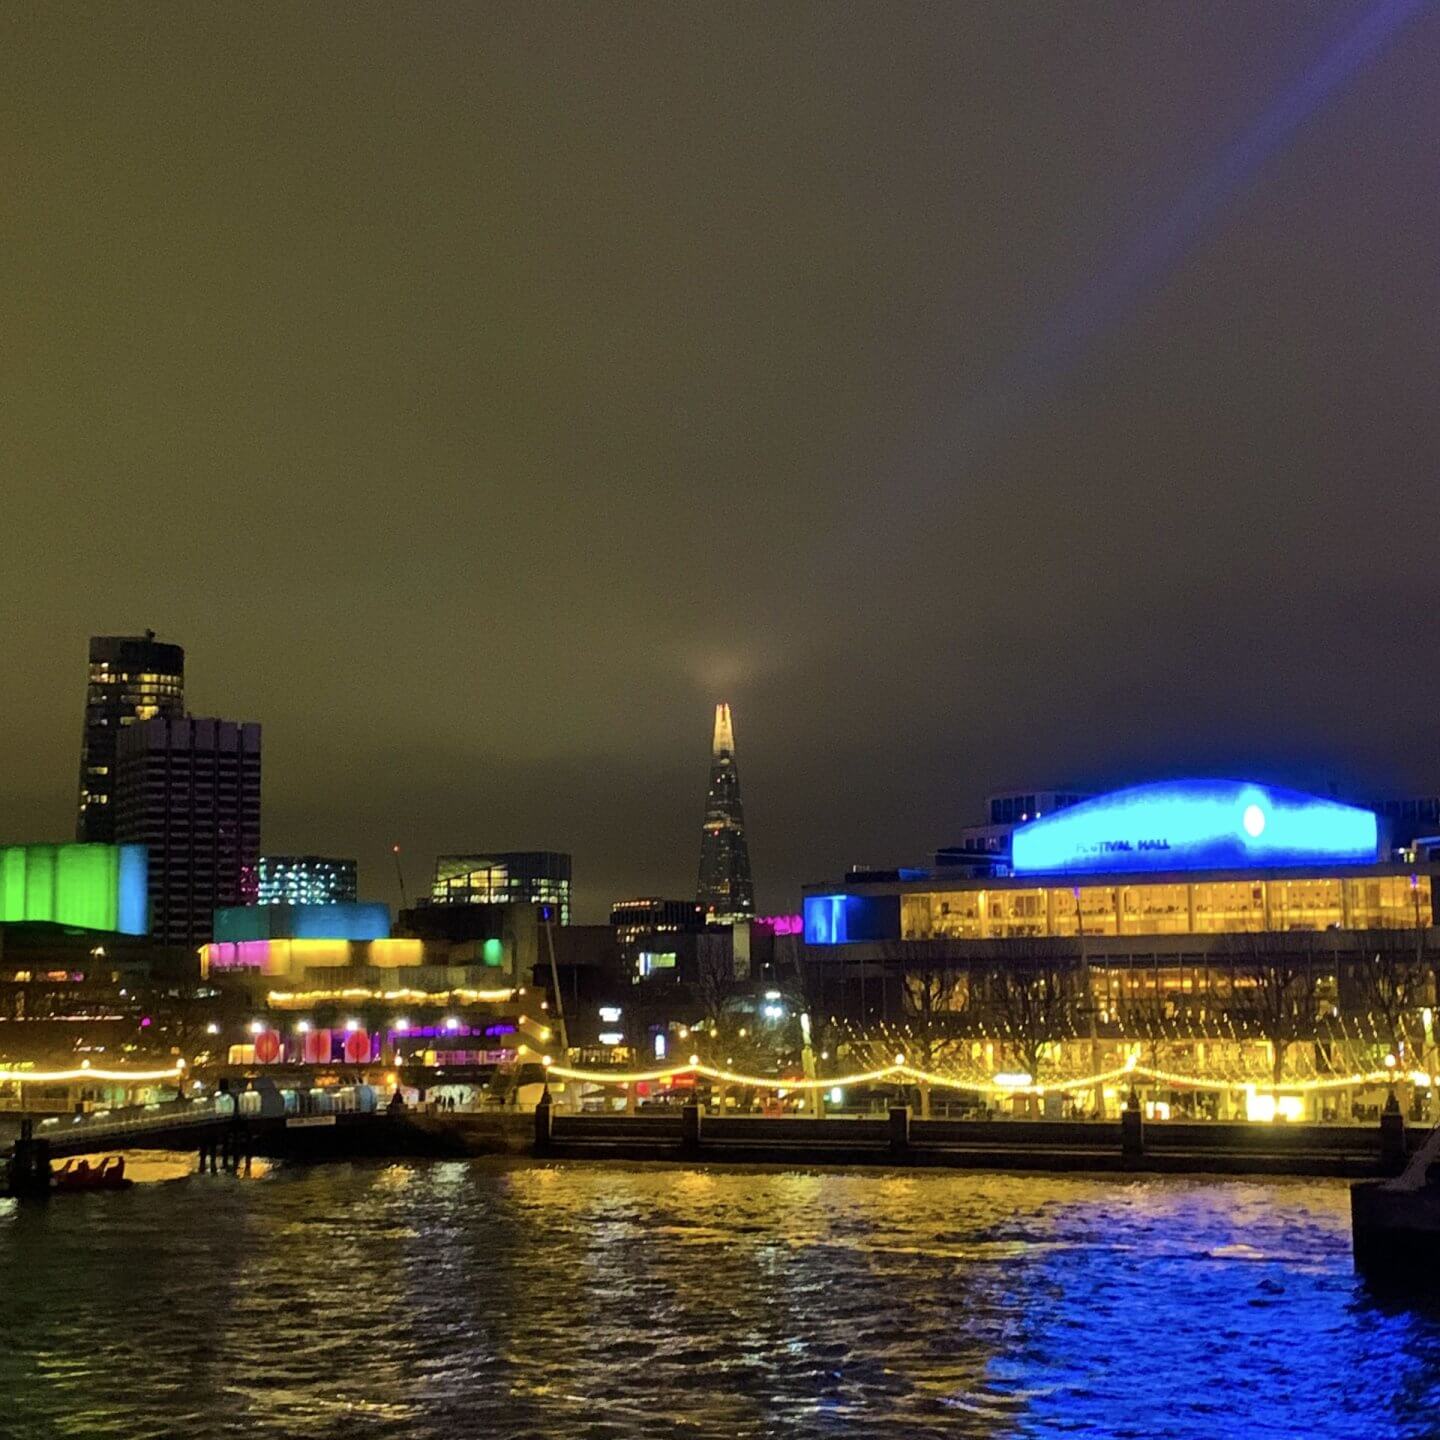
{"x":1127,"y":1144}
{"x":224,"y":1139}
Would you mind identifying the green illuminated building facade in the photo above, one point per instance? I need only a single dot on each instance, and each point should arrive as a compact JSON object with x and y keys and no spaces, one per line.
{"x":82,"y":887}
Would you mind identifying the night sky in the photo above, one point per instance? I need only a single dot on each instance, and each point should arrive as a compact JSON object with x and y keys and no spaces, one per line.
{"x":983,"y":395}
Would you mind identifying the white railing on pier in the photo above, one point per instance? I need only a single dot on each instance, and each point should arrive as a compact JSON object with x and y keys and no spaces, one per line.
{"x":103,"y":1127}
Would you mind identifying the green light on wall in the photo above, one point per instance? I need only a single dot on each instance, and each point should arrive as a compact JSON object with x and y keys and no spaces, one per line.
{"x":493,"y":953}
{"x":88,"y":887}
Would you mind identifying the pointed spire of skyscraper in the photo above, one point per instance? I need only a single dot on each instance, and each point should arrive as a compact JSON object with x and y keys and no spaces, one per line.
{"x":724,"y":743}
{"x":724,"y":887}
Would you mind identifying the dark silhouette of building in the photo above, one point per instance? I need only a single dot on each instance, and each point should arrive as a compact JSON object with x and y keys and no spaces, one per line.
{"x":645,"y":929}
{"x":724,"y":889}
{"x":132,"y":678}
{"x":189,"y":791}
{"x":306,"y":880}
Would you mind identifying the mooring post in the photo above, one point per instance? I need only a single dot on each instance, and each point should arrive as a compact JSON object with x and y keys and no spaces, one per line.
{"x":544,"y":1124}
{"x":22,"y":1161}
{"x":1392,"y":1136}
{"x":899,"y":1130}
{"x":690,"y":1127}
{"x":1132,"y":1130}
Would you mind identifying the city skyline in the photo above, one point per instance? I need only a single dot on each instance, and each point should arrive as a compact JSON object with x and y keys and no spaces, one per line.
{"x":593,"y":898}
{"x":494,"y":540}
{"x":436,"y":437}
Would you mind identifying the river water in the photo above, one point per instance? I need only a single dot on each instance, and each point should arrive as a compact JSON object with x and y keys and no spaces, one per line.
{"x":482,"y":1298}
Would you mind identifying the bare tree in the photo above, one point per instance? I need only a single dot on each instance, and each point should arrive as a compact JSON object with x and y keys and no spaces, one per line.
{"x":934,"y":1000}
{"x":1032,"y":997}
{"x":802,"y":981}
{"x":1273,"y":988}
{"x":714,"y":983}
{"x":1393,"y":982}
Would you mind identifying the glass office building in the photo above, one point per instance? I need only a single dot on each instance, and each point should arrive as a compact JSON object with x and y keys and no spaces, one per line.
{"x":529,"y":877}
{"x":305,"y":880}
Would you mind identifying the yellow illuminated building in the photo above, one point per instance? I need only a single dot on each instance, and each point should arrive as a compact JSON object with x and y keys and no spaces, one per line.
{"x":1181,"y":906}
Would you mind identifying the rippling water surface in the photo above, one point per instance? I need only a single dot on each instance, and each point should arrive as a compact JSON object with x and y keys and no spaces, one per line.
{"x":482,"y":1298}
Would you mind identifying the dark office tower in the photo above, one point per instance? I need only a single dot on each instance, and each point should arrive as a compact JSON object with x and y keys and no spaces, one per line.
{"x":132,"y":677}
{"x":724,"y":890}
{"x":189,"y":791}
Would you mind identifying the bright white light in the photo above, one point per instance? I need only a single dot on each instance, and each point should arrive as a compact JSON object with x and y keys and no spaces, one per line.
{"x":609,"y":1013}
{"x":772,"y":994}
{"x":1014,"y":1079}
{"x":1260,"y":1107}
{"x":212,"y":1028}
{"x":774,"y":1012}
{"x":402,"y":1024}
{"x":451,"y":1023}
{"x":257,"y":1027}
{"x":1254,"y":821}
{"x":303,"y":1026}
{"x":611,"y":1037}
{"x":351,"y":1026}
{"x":837,"y":1095}
{"x":659,"y":1046}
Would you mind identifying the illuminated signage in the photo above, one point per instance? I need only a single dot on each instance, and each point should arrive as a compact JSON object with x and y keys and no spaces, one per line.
{"x":87,"y":887}
{"x":1195,"y":825}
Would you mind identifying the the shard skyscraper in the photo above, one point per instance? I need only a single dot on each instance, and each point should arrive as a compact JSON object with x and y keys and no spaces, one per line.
{"x":724,"y":888}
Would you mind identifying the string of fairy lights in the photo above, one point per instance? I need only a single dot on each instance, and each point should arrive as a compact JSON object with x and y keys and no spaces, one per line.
{"x":86,"y":1071}
{"x":900,"y":1071}
{"x":1326,"y":1061}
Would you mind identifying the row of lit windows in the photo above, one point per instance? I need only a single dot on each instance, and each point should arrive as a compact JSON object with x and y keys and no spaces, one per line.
{"x":1360,"y":903}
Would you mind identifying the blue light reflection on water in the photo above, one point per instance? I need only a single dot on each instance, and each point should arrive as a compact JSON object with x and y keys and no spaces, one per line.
{"x":455,"y":1299}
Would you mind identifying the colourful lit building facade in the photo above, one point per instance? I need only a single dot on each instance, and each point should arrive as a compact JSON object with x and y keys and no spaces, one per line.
{"x":328,"y":985}
{"x":1245,"y":929}
{"x":80,"y":886}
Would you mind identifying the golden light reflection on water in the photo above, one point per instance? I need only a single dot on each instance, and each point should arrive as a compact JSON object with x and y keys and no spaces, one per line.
{"x":507,"y":1298}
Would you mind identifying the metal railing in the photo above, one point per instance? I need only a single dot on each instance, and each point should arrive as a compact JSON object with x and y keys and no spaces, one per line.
{"x":101,"y":1127}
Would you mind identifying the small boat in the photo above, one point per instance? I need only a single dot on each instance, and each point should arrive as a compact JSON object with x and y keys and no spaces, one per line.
{"x":80,"y":1176}
{"x":1395,"y":1224}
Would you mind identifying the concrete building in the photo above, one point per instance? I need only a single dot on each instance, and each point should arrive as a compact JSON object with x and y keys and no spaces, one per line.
{"x":189,"y":790}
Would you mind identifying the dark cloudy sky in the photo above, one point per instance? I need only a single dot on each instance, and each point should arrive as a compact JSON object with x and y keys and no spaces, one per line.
{"x":972,"y":394}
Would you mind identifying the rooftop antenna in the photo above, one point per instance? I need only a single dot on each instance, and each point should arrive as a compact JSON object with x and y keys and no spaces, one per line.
{"x":400,"y":876}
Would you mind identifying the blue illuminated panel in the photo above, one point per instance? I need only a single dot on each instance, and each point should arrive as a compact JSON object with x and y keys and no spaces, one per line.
{"x":825,"y":920}
{"x":132,"y":901}
{"x":1194,"y":825}
{"x":846,"y":919}
{"x":349,"y":920}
